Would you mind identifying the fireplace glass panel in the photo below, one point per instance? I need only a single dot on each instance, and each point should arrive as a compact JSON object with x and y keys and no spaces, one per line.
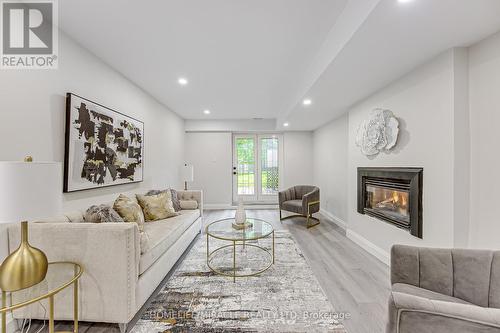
{"x":390,"y":202}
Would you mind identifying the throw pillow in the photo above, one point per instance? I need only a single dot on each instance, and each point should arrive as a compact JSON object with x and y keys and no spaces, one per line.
{"x":175,"y":200}
{"x":173,"y":194}
{"x":101,"y":214}
{"x":189,"y":204}
{"x":156,"y":207}
{"x":129,"y":210}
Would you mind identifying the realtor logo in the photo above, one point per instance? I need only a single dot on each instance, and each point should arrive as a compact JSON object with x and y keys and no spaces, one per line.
{"x":29,"y":34}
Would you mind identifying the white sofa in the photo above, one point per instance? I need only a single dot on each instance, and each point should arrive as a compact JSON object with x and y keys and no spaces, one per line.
{"x":118,"y":277}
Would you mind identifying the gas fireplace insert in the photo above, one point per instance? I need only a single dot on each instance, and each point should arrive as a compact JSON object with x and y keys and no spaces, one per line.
{"x":393,"y":195}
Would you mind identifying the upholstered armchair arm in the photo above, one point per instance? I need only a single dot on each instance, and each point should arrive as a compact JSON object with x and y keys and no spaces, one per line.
{"x":192,"y":195}
{"x":309,"y":198}
{"x":410,"y":313}
{"x":109,"y":254}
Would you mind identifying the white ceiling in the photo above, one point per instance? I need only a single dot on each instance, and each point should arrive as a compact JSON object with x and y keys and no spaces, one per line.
{"x":258,"y":58}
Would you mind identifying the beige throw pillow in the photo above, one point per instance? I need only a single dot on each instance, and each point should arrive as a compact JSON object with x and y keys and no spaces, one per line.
{"x":129,"y":210}
{"x":156,"y":207}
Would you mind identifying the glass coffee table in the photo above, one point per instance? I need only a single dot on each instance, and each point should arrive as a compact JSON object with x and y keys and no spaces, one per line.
{"x":60,"y":275}
{"x":248,"y":237}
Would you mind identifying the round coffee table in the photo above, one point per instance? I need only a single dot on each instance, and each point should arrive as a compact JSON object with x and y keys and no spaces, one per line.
{"x":223,"y":230}
{"x":60,"y":275}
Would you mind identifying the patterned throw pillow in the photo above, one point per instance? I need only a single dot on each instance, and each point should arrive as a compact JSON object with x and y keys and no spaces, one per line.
{"x":129,"y":210}
{"x":173,"y":195}
{"x":101,"y":214}
{"x":156,"y":207}
{"x":175,"y":200}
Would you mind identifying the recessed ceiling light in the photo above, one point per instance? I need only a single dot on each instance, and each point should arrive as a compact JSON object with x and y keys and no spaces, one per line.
{"x":286,"y":124}
{"x":307,"y":101}
{"x":182,"y":81}
{"x":405,"y":1}
{"x":206,"y":111}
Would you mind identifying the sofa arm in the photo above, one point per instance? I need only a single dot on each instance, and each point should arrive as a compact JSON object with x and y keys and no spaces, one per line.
{"x":192,"y":195}
{"x":409,"y":313}
{"x":109,"y":254}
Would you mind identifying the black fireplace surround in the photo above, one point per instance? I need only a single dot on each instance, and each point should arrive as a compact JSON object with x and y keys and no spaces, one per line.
{"x":393,"y":195}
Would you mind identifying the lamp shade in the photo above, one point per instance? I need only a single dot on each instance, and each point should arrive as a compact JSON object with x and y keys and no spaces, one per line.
{"x":29,"y":190}
{"x":187,"y":173}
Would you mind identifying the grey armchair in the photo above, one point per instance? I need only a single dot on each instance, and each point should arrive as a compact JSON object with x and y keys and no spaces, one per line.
{"x":301,"y":199}
{"x":444,"y":291}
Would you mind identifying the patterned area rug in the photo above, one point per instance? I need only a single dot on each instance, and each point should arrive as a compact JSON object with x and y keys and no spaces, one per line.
{"x":285,"y":298}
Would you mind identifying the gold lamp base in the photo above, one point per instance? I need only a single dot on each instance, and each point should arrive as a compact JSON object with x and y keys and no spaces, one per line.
{"x":24,"y":267}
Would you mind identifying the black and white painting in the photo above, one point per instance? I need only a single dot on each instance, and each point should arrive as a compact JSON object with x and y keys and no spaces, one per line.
{"x":103,"y":147}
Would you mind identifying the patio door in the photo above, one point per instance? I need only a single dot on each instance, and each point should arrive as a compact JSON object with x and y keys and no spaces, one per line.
{"x":257,"y":167}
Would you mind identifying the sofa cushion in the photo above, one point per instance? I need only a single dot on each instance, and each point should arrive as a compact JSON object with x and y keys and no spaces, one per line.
{"x":175,"y":200}
{"x":425,"y":293}
{"x":129,"y":210}
{"x":173,"y":194}
{"x":54,"y":219}
{"x":293,"y":206}
{"x":163,"y":234}
{"x":101,"y":214}
{"x":189,"y":204}
{"x":156,"y":207}
{"x":75,"y":216}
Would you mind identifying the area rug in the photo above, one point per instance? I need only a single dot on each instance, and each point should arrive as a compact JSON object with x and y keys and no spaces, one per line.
{"x":285,"y":298}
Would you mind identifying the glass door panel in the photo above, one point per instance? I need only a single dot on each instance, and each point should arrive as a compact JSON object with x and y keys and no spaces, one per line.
{"x":245,"y":148}
{"x":269,"y":166}
{"x":256,"y":167}
{"x":245,"y":168}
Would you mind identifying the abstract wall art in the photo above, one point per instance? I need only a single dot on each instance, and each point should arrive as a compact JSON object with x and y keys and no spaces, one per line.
{"x":379,"y":132}
{"x":103,"y":147}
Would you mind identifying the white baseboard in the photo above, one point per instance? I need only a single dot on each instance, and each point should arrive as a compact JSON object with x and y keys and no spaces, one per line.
{"x":247,"y":207}
{"x":369,"y":247}
{"x":335,"y":219}
{"x":217,"y":206}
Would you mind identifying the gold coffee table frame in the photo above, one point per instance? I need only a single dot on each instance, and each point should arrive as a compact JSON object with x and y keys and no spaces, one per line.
{"x":239,"y":239}
{"x":78,"y":271}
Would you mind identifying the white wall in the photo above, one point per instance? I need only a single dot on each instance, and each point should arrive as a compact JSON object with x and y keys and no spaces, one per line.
{"x":297,"y":159}
{"x":32,"y":105}
{"x":330,"y":167}
{"x":431,"y":105}
{"x":423,"y":102}
{"x":484,"y":87}
{"x":211,"y":156}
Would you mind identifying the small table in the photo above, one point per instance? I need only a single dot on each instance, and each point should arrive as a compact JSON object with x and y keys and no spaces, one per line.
{"x":60,"y":275}
{"x":223,"y":230}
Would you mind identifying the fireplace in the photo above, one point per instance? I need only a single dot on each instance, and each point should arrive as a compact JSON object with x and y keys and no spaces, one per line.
{"x":393,"y":195}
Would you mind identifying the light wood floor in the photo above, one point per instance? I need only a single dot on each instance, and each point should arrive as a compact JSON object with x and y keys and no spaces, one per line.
{"x":353,"y":280}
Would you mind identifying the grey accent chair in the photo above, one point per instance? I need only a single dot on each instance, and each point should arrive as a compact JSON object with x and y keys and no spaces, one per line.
{"x":444,"y":291}
{"x":300,"y":199}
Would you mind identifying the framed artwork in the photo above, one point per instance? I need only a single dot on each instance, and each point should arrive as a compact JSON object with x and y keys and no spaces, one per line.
{"x":103,"y":147}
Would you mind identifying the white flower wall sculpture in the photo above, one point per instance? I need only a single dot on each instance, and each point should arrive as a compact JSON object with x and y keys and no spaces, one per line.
{"x":377,"y":133}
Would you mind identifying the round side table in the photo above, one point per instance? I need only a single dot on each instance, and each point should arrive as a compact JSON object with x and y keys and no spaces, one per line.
{"x":60,"y":275}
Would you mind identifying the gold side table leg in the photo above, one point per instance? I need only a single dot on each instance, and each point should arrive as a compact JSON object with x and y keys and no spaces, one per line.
{"x":208,"y":248}
{"x":4,"y":314}
{"x":75,"y":304}
{"x":234,"y":261}
{"x":51,"y":314}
